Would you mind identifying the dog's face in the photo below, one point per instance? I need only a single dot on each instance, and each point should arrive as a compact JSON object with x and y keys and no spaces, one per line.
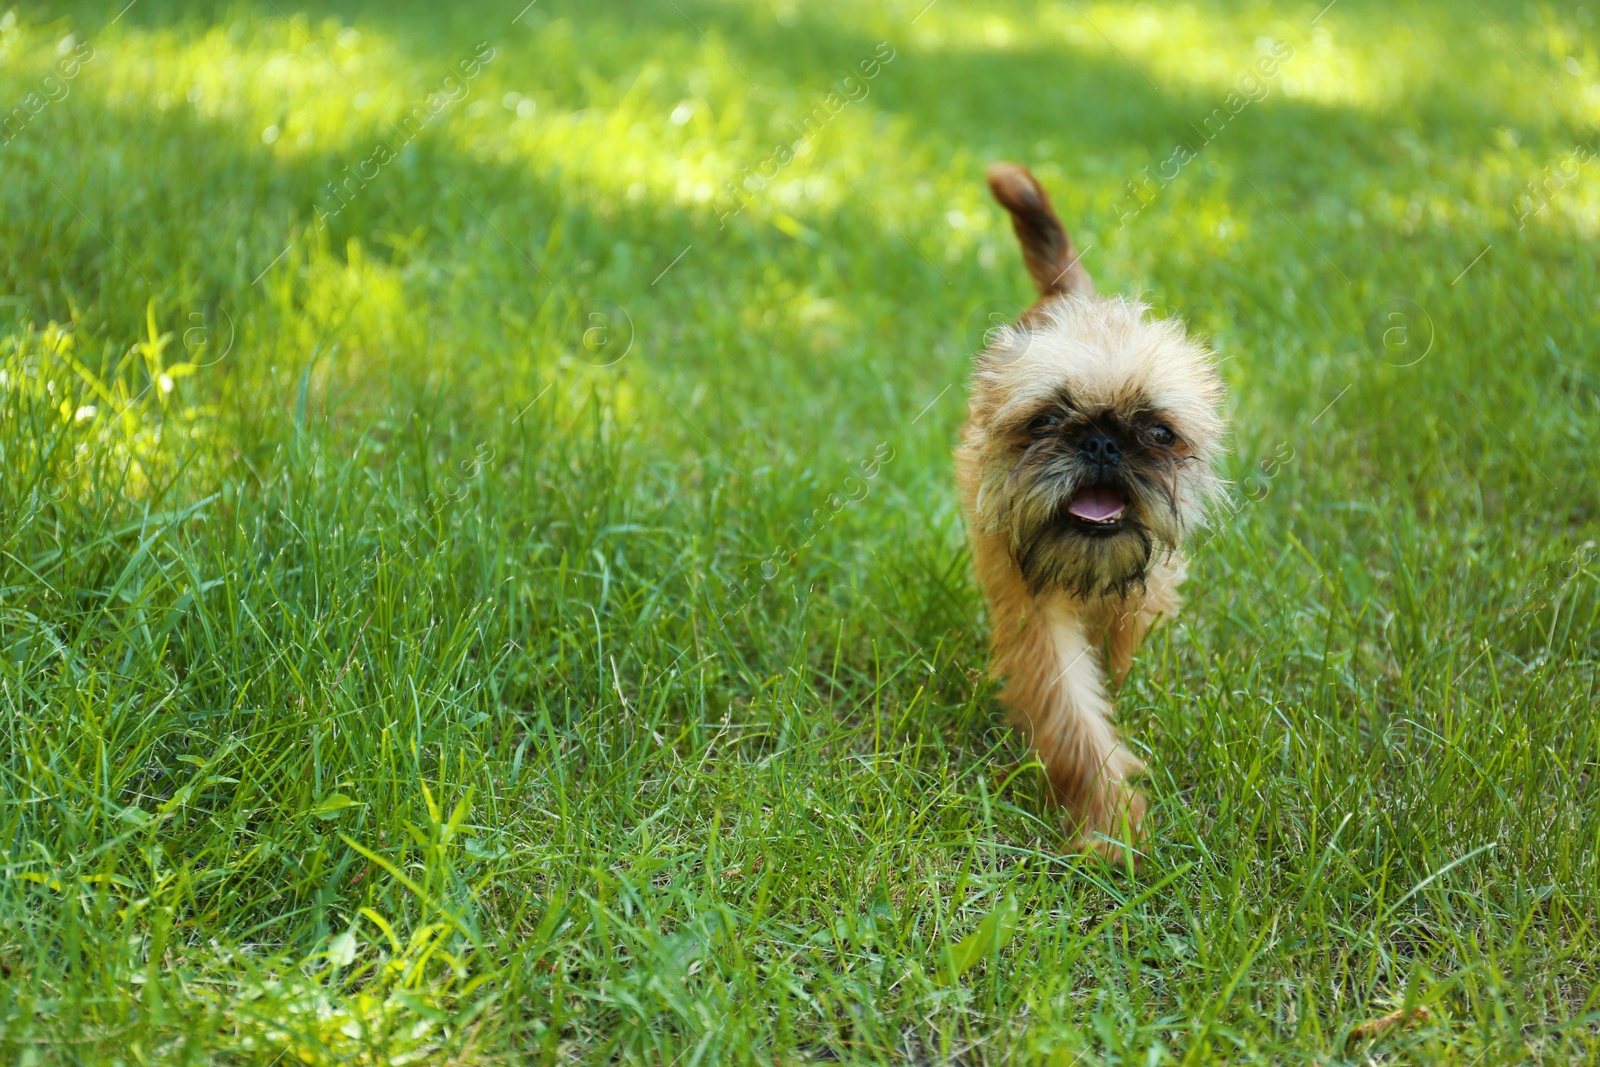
{"x":1094,"y":430}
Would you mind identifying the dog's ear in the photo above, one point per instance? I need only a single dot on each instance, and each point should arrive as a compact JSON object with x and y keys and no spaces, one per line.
{"x":1048,"y":251}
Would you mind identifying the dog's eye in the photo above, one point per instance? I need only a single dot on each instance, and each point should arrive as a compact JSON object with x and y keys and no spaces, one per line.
{"x":1045,"y":424}
{"x":1160,"y":435}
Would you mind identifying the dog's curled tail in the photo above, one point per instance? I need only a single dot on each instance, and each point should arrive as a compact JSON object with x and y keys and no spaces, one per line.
{"x":1048,"y":251}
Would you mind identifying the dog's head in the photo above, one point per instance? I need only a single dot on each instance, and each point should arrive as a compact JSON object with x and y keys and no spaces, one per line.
{"x":1094,"y":429}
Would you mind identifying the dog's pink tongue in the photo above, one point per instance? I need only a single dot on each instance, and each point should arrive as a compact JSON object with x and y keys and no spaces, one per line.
{"x":1096,"y":504}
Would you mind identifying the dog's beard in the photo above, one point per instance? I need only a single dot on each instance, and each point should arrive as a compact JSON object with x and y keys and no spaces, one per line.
{"x":1054,"y":548}
{"x":1086,"y":564}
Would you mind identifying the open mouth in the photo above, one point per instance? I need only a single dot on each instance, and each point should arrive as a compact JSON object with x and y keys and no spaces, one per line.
{"x":1098,"y":506}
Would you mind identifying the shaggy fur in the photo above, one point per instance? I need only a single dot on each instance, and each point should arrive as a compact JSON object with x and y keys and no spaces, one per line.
{"x":1086,"y":459}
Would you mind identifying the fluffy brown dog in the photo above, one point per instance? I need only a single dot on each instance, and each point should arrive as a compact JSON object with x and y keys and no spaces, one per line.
{"x":1086,"y":458}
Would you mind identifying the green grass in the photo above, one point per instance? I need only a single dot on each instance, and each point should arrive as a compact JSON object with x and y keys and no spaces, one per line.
{"x":448,"y":633}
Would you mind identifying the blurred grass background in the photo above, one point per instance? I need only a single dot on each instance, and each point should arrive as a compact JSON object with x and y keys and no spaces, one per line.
{"x":524,"y":616}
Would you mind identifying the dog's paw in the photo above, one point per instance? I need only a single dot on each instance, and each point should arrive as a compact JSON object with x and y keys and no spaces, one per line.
{"x":1119,"y":828}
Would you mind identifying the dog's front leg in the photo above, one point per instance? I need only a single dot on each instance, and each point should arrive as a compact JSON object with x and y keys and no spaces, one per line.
{"x":1055,"y":690}
{"x":1128,"y":620}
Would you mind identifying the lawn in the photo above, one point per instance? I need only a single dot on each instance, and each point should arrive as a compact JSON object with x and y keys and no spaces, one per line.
{"x":481,"y":580}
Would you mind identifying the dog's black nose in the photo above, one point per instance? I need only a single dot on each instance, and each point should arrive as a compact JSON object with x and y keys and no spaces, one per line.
{"x":1098,"y":448}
